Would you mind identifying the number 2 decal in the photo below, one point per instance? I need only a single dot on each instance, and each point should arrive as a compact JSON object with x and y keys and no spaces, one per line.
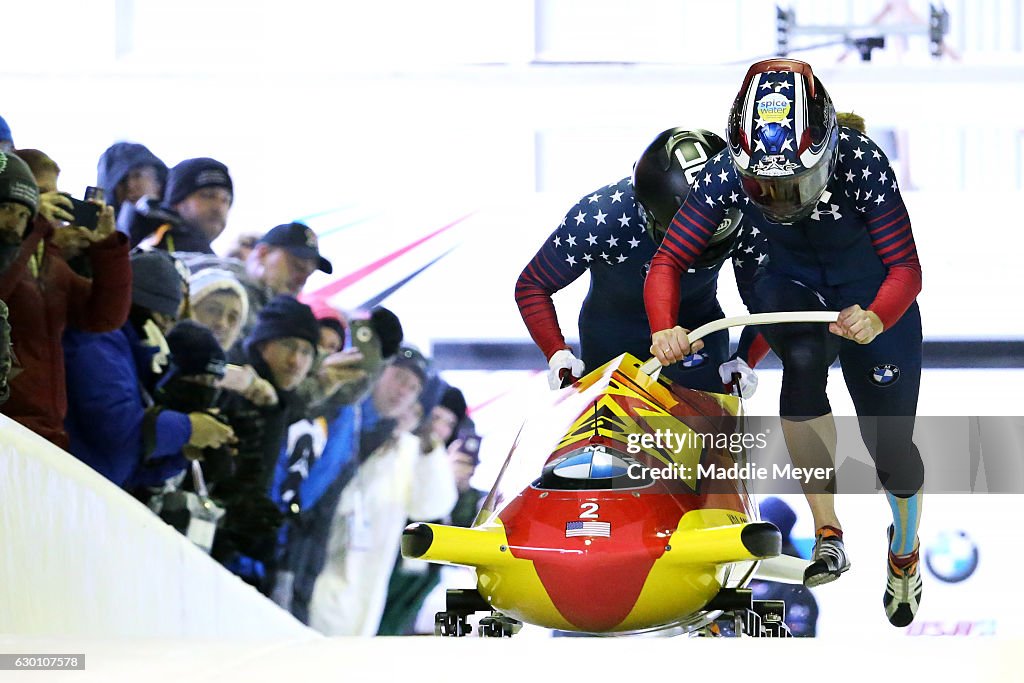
{"x":590,"y":510}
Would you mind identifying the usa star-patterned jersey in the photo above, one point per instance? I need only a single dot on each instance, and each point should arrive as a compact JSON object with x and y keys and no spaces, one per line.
{"x":603,"y":233}
{"x":858,"y":237}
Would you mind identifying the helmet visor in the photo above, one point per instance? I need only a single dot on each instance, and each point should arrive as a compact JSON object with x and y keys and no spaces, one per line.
{"x":786,"y":199}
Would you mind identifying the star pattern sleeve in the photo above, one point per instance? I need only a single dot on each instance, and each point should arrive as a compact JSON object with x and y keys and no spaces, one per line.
{"x":600,"y":228}
{"x":869,"y":183}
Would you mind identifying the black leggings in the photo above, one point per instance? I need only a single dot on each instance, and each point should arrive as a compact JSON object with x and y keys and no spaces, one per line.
{"x":883,"y":377}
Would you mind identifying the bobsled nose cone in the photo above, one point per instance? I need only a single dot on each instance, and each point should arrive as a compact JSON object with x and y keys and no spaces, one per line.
{"x":761,"y":539}
{"x":417,"y":539}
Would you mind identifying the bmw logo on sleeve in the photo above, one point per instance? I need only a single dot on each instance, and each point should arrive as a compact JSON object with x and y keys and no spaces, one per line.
{"x":885,"y":375}
{"x":693,"y":360}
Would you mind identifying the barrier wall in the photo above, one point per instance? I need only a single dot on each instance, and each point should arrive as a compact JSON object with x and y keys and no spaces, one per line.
{"x":79,"y":557}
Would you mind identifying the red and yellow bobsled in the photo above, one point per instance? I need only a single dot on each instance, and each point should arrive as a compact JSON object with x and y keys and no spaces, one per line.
{"x":627,"y":528}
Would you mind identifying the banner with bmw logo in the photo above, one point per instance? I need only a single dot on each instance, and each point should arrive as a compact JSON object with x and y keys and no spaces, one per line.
{"x":968,"y":555}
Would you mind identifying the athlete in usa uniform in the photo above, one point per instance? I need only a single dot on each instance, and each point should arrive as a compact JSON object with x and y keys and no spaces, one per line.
{"x":605,"y":233}
{"x":839,"y":239}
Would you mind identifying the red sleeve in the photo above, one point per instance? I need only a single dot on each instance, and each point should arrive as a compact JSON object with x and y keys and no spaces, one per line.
{"x":538,"y":311}
{"x":661,"y":294}
{"x":102,"y":304}
{"x":871,"y":182}
{"x":758,"y":350}
{"x":688,"y":235}
{"x":893,"y":240}
{"x":557,"y":264}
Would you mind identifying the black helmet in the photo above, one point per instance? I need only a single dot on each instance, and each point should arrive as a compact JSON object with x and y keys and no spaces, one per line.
{"x":661,"y":181}
{"x":783,"y":138}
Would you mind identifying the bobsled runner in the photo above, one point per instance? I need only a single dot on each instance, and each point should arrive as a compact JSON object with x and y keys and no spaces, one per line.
{"x":629,"y":527}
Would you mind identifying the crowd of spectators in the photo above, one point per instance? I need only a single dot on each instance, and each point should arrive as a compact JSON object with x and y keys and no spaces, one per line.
{"x":292,"y":441}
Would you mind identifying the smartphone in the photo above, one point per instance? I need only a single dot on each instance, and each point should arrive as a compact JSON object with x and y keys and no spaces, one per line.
{"x":364,"y":338}
{"x":87,"y":214}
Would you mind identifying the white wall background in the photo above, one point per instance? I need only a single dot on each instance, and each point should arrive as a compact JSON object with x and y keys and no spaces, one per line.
{"x":410,"y":115}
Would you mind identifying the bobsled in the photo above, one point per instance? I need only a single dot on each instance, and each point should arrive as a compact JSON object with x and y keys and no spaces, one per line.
{"x":633,"y":519}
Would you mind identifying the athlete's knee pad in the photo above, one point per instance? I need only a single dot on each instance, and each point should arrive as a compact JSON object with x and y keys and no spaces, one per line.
{"x":889,"y":440}
{"x":805,"y":372}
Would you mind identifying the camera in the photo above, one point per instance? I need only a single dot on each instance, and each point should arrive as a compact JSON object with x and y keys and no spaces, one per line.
{"x":193,"y":513}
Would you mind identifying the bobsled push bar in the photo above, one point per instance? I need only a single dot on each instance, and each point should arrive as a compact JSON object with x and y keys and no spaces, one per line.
{"x":653,"y":365}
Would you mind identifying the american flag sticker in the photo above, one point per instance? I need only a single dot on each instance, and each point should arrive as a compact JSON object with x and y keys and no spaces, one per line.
{"x":580,"y":528}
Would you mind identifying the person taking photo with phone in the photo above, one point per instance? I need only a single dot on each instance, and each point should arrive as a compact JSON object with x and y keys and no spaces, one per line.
{"x":45,"y":297}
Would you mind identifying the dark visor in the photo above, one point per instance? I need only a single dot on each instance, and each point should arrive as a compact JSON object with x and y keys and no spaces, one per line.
{"x":786,"y":199}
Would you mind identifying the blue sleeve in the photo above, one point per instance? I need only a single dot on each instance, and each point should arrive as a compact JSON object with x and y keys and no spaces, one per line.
{"x":103,"y":390}
{"x":338,"y":452}
{"x":173,"y":430}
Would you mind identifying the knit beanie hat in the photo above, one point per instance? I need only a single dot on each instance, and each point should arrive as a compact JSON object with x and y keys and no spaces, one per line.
{"x":17,"y":184}
{"x":5,"y":132}
{"x":334,"y":323}
{"x":6,"y":139}
{"x":156,"y":282}
{"x":212,"y":280}
{"x":328,"y":316}
{"x":389,"y":330}
{"x":194,"y":174}
{"x":453,"y":400}
{"x":194,"y":350}
{"x":284,"y":316}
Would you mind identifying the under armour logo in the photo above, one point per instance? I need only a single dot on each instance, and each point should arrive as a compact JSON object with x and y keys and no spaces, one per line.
{"x":832,"y":211}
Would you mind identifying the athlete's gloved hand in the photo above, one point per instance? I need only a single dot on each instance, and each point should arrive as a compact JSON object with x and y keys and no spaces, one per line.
{"x":563,"y":360}
{"x":748,"y":378}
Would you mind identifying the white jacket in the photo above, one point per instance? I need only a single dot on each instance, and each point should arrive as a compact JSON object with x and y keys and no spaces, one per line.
{"x":395,"y":484}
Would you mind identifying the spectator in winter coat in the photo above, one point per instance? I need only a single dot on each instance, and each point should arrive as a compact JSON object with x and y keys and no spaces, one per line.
{"x":219,"y":302}
{"x":281,"y":348}
{"x":44,"y":297}
{"x":112,"y":422}
{"x":128,"y":171}
{"x":194,"y":211}
{"x":404,"y":477}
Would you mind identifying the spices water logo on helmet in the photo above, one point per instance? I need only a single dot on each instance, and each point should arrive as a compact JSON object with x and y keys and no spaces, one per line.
{"x":783,"y":138}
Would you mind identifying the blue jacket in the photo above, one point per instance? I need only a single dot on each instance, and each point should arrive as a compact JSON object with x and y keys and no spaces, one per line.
{"x":107,"y":410}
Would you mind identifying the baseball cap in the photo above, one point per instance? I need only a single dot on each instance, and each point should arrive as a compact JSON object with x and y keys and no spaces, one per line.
{"x":297,"y":239}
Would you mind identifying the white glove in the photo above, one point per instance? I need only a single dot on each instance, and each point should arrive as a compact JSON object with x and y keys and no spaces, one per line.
{"x":748,"y":378}
{"x":563,"y":360}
